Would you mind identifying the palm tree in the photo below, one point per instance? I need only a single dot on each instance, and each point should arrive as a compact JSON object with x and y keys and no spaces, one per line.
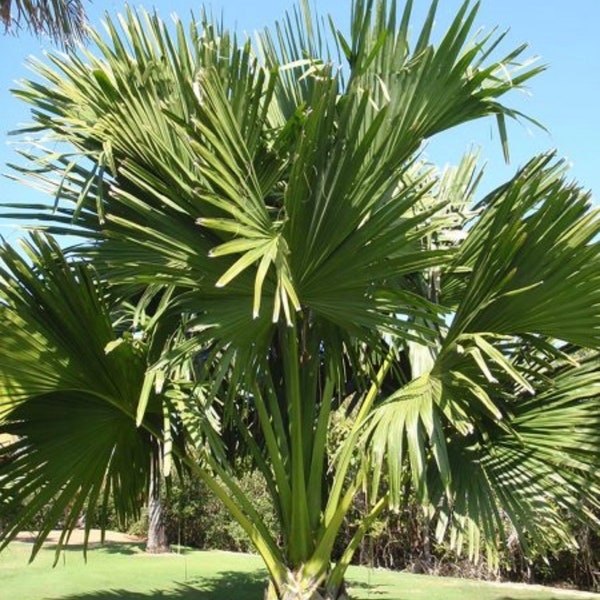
{"x":271,"y":202}
{"x":61,"y":20}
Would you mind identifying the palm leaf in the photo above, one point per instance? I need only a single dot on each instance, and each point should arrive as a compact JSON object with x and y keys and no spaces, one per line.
{"x":528,"y":479}
{"x":66,"y":395}
{"x":63,"y":21}
{"x":533,"y":257}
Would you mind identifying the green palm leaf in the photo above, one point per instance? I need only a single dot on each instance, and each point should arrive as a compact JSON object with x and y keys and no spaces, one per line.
{"x":532,"y":256}
{"x":66,"y":395}
{"x":538,"y":472}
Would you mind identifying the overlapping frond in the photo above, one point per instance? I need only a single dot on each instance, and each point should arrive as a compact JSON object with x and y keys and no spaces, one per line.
{"x":535,"y":479}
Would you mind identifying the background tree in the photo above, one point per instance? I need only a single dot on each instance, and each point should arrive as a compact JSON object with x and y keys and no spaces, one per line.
{"x":306,"y":261}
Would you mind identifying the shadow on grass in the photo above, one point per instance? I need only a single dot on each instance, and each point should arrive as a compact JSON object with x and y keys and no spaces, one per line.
{"x":126,"y":549}
{"x":361,"y":590}
{"x":227,"y":585}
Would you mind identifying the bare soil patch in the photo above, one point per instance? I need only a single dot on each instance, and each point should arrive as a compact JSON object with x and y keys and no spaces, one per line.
{"x":77,"y":537}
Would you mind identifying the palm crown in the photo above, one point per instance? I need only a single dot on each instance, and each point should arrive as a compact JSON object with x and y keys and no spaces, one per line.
{"x":262,"y":217}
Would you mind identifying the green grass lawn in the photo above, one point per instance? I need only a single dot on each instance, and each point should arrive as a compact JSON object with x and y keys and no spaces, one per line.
{"x":125,"y":572}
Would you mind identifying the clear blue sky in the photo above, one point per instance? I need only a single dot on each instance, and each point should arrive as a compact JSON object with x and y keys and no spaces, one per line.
{"x":566,"y":98}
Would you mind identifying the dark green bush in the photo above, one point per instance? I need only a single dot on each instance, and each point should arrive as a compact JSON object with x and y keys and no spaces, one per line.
{"x":193,"y":517}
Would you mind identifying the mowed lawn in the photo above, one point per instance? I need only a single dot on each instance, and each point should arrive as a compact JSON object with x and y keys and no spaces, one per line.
{"x":125,"y":572}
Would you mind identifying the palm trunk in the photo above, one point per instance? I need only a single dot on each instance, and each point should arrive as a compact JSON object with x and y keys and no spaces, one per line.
{"x":300,"y":587}
{"x":157,"y":536}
